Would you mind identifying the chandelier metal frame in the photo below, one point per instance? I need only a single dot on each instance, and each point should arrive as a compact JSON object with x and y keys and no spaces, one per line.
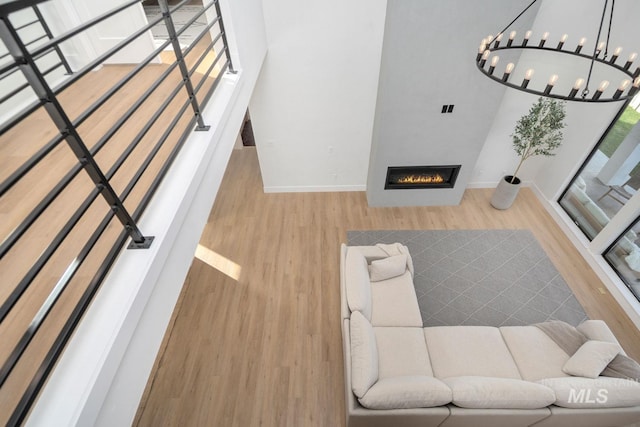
{"x":486,"y":63}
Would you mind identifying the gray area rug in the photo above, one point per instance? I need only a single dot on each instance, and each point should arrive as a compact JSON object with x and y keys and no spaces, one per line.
{"x":482,"y":277}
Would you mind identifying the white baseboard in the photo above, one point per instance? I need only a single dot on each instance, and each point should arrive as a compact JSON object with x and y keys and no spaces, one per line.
{"x":609,"y":278}
{"x":314,"y":189}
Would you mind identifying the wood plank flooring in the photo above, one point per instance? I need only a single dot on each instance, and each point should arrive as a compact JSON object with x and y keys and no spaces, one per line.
{"x":266,"y":349}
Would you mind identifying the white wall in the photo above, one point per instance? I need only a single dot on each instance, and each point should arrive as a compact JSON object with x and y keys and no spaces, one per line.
{"x":313,"y":107}
{"x":100,"y":378}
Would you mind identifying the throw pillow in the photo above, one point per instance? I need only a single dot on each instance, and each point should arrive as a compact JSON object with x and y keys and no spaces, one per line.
{"x":387,"y":268}
{"x":591,"y":359}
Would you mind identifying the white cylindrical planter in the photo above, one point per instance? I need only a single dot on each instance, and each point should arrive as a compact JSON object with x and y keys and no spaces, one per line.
{"x":505,"y":193}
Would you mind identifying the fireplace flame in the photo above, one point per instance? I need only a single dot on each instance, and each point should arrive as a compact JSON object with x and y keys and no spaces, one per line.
{"x":421,"y":179}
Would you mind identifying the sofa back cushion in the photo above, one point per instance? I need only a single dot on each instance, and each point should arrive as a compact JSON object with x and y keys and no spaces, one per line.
{"x":364,"y":354}
{"x":402,"y":351}
{"x":599,"y":331}
{"x":457,"y":351}
{"x":358,"y":285}
{"x":536,"y":355}
{"x":498,"y":393}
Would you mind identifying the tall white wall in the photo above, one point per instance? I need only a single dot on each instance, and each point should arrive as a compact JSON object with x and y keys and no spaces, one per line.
{"x":313,"y":107}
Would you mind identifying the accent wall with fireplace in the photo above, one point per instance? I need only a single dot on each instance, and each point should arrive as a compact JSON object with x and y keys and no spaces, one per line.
{"x":411,"y":127}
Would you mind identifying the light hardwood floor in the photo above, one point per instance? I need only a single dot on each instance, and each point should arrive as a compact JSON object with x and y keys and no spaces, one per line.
{"x":266,"y":349}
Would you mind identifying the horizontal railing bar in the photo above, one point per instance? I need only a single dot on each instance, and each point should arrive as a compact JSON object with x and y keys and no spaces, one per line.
{"x":205,"y":75}
{"x":6,"y":68}
{"x":200,"y":36}
{"x":14,"y":92}
{"x":26,"y":25}
{"x":205,"y":52}
{"x":29,"y":396}
{"x":22,"y":286}
{"x":100,"y":59}
{"x":10,"y":6}
{"x":26,"y":166}
{"x":65,"y":36}
{"x":115,"y":88}
{"x":37,"y":211}
{"x":46,"y":307}
{"x":216,"y":82}
{"x":156,"y":115}
{"x":20,"y":116}
{"x":167,"y":164}
{"x":36,"y":40}
{"x":6,"y":97}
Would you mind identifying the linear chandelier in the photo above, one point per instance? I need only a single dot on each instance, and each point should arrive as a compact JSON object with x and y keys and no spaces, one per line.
{"x":487,"y":61}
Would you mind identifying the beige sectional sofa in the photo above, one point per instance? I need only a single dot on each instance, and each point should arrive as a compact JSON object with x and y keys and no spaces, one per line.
{"x":399,"y":374}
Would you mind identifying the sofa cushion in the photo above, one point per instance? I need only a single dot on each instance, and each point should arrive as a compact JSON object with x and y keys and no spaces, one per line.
{"x":536,"y":355}
{"x":601,"y":392}
{"x":591,"y":359}
{"x":598,"y":330}
{"x":387,"y":268}
{"x":402,"y":351}
{"x":364,"y":354}
{"x":414,"y":391}
{"x":394,"y":302}
{"x":358,"y":286}
{"x":457,"y":351}
{"x":498,"y":393}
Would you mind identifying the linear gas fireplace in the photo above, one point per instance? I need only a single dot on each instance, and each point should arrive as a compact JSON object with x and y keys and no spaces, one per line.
{"x":407,"y":177}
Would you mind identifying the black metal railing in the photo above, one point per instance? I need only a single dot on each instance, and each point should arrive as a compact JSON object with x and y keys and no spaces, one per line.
{"x":80,"y":162}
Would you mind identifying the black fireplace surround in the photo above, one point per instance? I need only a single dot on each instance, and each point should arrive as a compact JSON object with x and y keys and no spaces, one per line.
{"x":421,"y":177}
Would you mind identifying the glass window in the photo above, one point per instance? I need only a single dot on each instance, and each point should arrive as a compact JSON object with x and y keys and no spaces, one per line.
{"x":624,"y":258}
{"x":610,"y":177}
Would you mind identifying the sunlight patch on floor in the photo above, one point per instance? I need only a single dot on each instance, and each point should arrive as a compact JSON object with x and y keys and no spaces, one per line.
{"x":217,"y":261}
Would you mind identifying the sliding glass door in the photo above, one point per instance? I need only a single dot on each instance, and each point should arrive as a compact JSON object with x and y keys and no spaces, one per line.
{"x":610,"y":177}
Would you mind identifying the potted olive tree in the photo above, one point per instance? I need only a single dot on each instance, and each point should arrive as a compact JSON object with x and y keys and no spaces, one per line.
{"x":539,"y":132}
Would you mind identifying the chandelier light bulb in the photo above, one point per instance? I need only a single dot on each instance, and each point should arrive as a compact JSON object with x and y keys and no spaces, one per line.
{"x":621,"y":88}
{"x":498,"y":40}
{"x":485,"y":56}
{"x":562,"y":40}
{"x":527,"y":78}
{"x":636,"y":82}
{"x":630,"y":60}
{"x":581,"y":43}
{"x":552,"y":81}
{"x":576,"y":87}
{"x":544,"y":38}
{"x":624,"y":84}
{"x":494,"y":62}
{"x":512,"y":36}
{"x":601,"y":46}
{"x":603,"y":85}
{"x":616,"y":54}
{"x":507,"y":71}
{"x":527,"y":36}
